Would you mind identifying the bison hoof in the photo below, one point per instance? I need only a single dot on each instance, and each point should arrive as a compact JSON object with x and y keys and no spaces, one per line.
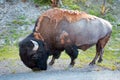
{"x":51,"y":63}
{"x":72,"y":64}
{"x":100,"y":60}
{"x":92,"y":64}
{"x":35,"y":69}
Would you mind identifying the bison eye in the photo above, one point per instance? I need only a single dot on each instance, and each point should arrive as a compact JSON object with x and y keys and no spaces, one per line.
{"x":34,"y":57}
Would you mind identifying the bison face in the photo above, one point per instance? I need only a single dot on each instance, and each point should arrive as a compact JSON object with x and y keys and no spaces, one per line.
{"x":33,"y":54}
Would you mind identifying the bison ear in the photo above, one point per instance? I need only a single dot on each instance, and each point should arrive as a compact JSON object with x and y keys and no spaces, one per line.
{"x":36,"y":45}
{"x":38,"y":36}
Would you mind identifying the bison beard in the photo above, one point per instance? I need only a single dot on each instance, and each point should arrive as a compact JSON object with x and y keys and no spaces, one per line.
{"x":57,"y":30}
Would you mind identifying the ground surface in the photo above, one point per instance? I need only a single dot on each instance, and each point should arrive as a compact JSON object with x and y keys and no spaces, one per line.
{"x":20,"y":18}
{"x":15,"y":70}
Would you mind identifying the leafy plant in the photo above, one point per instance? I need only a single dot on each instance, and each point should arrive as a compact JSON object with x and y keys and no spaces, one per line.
{"x":110,"y":1}
{"x":42,"y":2}
{"x":74,"y":7}
{"x":109,"y":17}
{"x":71,"y":4}
{"x":94,"y":12}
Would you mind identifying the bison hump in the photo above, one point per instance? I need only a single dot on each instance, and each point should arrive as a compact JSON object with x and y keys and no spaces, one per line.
{"x":71,"y":15}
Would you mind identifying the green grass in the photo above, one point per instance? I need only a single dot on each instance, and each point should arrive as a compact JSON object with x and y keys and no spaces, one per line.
{"x":9,"y":52}
{"x":71,"y":4}
{"x":20,"y":22}
{"x":42,"y":2}
{"x":111,"y":55}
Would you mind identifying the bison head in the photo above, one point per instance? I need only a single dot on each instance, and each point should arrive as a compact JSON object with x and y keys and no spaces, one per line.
{"x":33,"y":54}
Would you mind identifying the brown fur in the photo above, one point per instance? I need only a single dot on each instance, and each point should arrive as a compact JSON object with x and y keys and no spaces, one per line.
{"x":57,"y":15}
{"x":68,"y":30}
{"x":38,"y":36}
{"x":104,"y":40}
{"x":64,"y":38}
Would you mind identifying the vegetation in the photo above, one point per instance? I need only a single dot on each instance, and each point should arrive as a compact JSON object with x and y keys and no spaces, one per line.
{"x":112,"y":50}
{"x":111,"y":56}
{"x":9,"y":52}
{"x":42,"y":2}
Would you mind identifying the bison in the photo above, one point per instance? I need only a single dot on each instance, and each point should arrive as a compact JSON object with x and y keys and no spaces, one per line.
{"x":60,"y":29}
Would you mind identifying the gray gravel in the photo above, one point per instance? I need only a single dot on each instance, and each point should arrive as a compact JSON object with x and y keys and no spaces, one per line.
{"x":64,"y":75}
{"x":16,"y":70}
{"x":17,"y":19}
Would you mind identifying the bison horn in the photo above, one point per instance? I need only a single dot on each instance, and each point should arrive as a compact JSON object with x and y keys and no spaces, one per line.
{"x":35,"y":48}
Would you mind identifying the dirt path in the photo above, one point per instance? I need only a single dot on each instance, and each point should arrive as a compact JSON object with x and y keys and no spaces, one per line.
{"x":15,"y":70}
{"x":64,"y":75}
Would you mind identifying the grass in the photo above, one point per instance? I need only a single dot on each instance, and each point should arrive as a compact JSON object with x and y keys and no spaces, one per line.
{"x":111,"y":55}
{"x":112,"y":50}
{"x":8,"y":52}
{"x":42,"y":2}
{"x":110,"y":58}
{"x":20,"y":22}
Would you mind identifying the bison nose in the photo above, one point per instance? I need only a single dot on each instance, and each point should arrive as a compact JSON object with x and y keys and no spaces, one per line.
{"x":35,"y":69}
{"x":42,"y":67}
{"x":38,"y":69}
{"x":35,"y":57}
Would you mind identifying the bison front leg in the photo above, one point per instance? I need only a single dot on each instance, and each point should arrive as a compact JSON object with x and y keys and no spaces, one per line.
{"x":56,"y":55}
{"x":52,"y":61}
{"x":72,"y":52}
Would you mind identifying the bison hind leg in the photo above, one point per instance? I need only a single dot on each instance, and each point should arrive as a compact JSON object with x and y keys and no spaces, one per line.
{"x":101,"y":54}
{"x":100,"y":49}
{"x":102,"y":43}
{"x":72,"y":52}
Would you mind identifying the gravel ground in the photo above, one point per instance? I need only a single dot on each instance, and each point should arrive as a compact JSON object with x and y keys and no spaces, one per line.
{"x":18,"y":18}
{"x":64,"y":75}
{"x":15,"y":70}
